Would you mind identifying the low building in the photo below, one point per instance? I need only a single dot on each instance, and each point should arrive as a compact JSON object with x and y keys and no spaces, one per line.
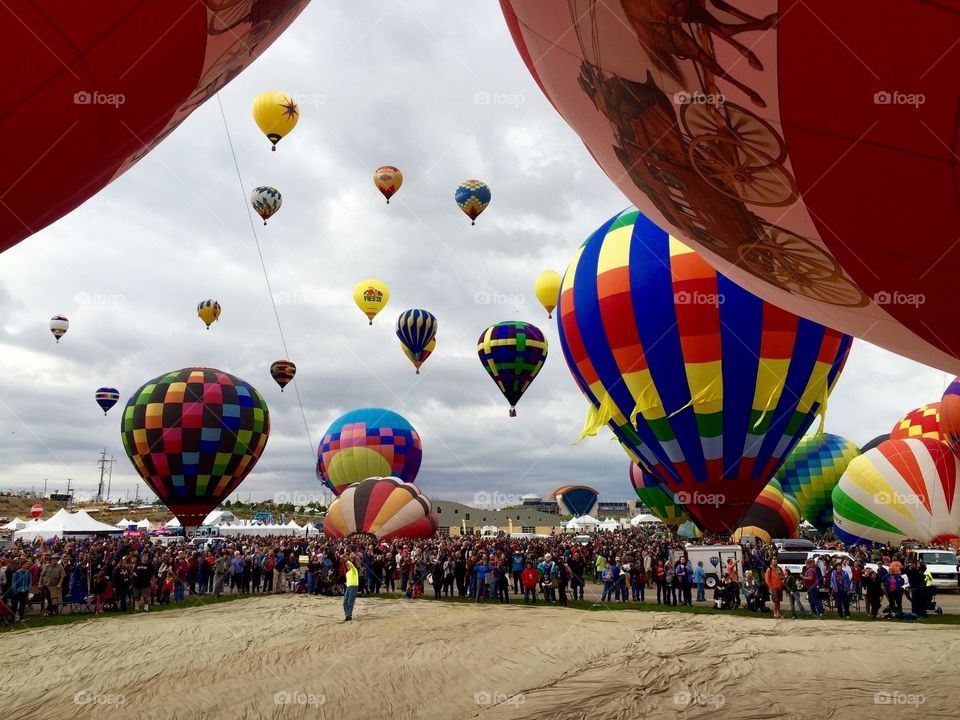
{"x":459,"y":519}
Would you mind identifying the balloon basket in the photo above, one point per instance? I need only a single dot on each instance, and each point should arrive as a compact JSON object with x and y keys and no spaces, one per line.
{"x":513,"y":412}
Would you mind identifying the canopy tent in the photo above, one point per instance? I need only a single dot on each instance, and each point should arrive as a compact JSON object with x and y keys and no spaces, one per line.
{"x":645,"y":519}
{"x":123,"y":524}
{"x":173,"y":524}
{"x":66,"y":524}
{"x":586,"y":522}
{"x":15,"y":524}
{"x":609,"y":525}
{"x":143,"y":524}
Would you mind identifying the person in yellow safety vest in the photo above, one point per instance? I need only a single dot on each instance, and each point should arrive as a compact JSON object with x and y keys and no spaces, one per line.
{"x":599,"y":566}
{"x":928,"y":589}
{"x":353,"y":581}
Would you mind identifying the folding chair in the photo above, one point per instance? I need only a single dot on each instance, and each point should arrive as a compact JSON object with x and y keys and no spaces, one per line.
{"x":80,"y":603}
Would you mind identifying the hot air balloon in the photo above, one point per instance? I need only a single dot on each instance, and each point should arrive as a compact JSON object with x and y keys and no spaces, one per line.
{"x":266,"y":201}
{"x":368,"y":442}
{"x":473,"y":197}
{"x":724,"y":128}
{"x":704,"y":384}
{"x":898,"y":490}
{"x":811,"y":472}
{"x":427,"y":352}
{"x":657,"y":497}
{"x":59,"y":326}
{"x":388,"y":180}
{"x":923,"y":422}
{"x":208,"y":311}
{"x":873,"y":443}
{"x":512,"y":352}
{"x":774,"y":514}
{"x":106,"y":398}
{"x":88,"y":101}
{"x":371,"y":296}
{"x":950,"y":415}
{"x":547,"y":288}
{"x":36,"y":511}
{"x":416,"y":328}
{"x":283,"y":372}
{"x":382,"y":507}
{"x":194,"y":435}
{"x":575,"y":500}
{"x":276,"y":114}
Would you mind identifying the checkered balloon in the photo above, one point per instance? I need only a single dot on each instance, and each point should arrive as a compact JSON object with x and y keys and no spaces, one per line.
{"x":512,"y":353}
{"x":194,"y":435}
{"x":924,"y":422}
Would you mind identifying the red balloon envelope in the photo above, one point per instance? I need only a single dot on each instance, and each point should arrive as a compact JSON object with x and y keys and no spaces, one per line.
{"x":808,"y":150}
{"x":89,"y":91}
{"x":36,"y":511}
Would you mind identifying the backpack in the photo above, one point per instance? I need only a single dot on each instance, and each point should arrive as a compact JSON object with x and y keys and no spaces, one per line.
{"x":895,"y":582}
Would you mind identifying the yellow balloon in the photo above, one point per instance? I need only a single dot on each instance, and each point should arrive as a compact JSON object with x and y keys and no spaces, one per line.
{"x":427,"y":351}
{"x":547,"y":288}
{"x":276,"y":114}
{"x":371,"y":296}
{"x":208,"y":311}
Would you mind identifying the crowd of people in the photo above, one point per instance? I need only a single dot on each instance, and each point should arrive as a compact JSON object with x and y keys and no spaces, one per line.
{"x":123,"y":574}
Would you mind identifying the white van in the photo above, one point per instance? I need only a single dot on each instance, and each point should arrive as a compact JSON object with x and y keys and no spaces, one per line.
{"x":713,"y":557}
{"x":942,"y":565}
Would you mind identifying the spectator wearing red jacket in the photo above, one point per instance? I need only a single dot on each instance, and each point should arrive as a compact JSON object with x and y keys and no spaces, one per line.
{"x":529,"y":579}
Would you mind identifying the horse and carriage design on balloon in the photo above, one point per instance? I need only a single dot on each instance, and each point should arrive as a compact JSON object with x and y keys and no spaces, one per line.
{"x":704,"y":166}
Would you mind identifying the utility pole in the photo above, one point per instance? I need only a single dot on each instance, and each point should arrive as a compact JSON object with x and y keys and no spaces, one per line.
{"x":44,"y":487}
{"x":103,"y":464}
{"x":110,"y":476}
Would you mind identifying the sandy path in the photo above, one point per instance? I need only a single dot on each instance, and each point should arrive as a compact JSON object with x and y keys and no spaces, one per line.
{"x":293,"y":657}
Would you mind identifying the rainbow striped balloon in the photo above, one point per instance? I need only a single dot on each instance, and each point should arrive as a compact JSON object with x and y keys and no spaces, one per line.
{"x":657,"y":497}
{"x":704,"y":383}
{"x":774,"y":514}
{"x":902,"y":489}
{"x":950,"y":415}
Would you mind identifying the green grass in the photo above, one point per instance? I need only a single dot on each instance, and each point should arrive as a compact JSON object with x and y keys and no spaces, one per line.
{"x":582,"y":605}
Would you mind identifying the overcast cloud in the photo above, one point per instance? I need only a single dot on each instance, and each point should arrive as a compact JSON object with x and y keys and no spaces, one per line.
{"x":432,"y":87}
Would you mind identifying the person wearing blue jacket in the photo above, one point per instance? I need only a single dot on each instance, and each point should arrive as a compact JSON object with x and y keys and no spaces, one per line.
{"x":517,"y":561}
{"x":548,"y":570}
{"x":480,"y":571}
{"x":20,"y":588}
{"x":840,"y":584}
{"x":700,"y":578}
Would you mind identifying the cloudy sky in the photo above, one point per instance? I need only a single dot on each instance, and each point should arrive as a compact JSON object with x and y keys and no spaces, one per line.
{"x":442,"y":94}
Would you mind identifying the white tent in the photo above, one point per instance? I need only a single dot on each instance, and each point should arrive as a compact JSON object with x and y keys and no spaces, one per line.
{"x":15,"y":524}
{"x":173,"y":523}
{"x":585,"y":522}
{"x":143,"y":524}
{"x":292,"y":524}
{"x":609,"y":524}
{"x":122,"y":524}
{"x":644,"y":519}
{"x":220,"y":517}
{"x":66,"y":524}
